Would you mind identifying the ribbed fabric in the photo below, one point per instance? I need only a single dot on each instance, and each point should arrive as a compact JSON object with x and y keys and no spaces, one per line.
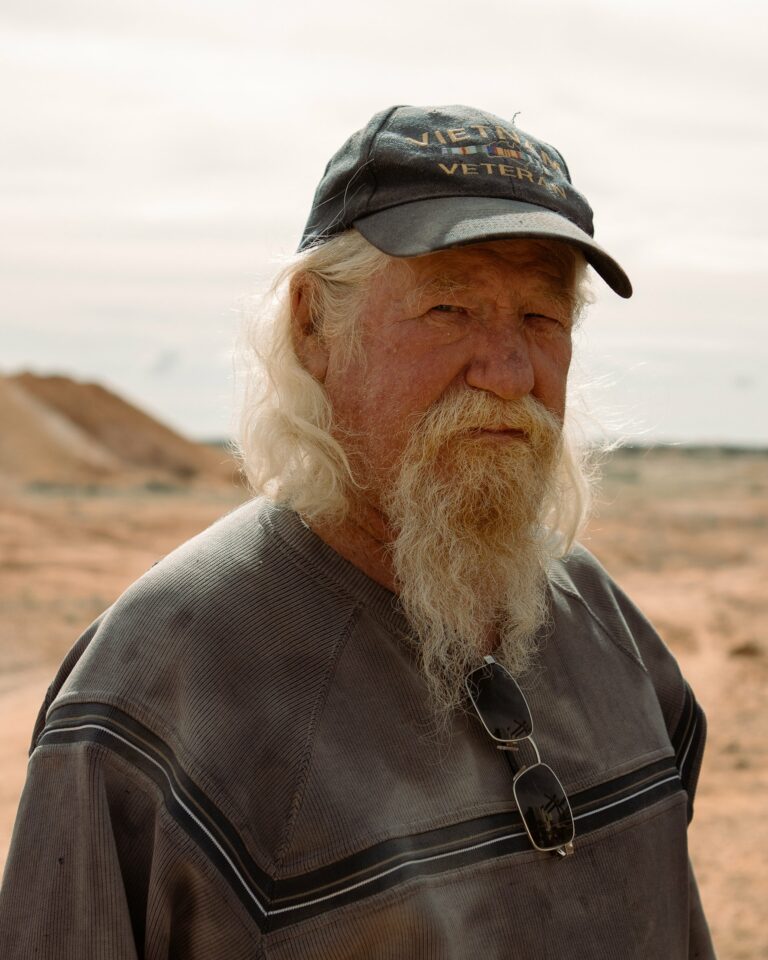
{"x":237,"y":761}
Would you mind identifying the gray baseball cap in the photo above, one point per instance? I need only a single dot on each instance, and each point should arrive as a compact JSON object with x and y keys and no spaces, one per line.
{"x":419,"y":179}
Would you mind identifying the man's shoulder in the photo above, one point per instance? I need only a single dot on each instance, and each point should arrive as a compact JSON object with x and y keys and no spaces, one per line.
{"x":580,"y":575}
{"x":582,"y":578}
{"x":581,"y":581}
{"x":204,"y":584}
{"x":580,"y":571}
{"x":221,"y":559}
{"x":217,"y":618}
{"x":211,"y":667}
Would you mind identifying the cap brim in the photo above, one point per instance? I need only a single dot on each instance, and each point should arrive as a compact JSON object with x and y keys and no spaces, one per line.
{"x":425,"y":226}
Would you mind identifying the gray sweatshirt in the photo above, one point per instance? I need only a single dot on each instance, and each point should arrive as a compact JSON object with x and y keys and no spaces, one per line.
{"x":237,"y":760}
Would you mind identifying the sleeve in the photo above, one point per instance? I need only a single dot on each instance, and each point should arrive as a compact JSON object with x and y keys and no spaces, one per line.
{"x":63,"y":891}
{"x":688,"y":738}
{"x":684,"y":717}
{"x":98,"y":870}
{"x":700,"y":945}
{"x":687,"y":727}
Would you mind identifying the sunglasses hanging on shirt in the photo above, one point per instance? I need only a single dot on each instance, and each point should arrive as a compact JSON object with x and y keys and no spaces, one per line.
{"x":504,"y":712}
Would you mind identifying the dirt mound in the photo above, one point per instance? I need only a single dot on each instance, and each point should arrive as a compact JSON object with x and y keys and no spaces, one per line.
{"x":55,"y":430}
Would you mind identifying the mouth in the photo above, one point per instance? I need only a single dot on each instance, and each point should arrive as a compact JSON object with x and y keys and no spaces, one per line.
{"x":501,"y":433}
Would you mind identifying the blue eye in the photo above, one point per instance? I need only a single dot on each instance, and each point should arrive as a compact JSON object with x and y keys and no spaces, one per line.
{"x":447,"y":308}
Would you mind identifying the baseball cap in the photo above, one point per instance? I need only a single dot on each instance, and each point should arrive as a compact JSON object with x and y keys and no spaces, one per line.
{"x":419,"y":179}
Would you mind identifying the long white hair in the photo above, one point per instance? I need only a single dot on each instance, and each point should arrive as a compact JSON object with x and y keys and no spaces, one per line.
{"x":286,"y":446}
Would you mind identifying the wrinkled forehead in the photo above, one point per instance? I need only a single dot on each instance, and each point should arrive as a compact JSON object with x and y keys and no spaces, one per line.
{"x":539,"y":264}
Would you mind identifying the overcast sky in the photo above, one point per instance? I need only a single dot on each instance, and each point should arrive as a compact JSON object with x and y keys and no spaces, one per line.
{"x":159,"y":157}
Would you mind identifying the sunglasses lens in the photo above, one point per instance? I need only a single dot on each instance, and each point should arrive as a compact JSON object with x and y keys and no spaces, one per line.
{"x":544,"y":807}
{"x":500,"y":703}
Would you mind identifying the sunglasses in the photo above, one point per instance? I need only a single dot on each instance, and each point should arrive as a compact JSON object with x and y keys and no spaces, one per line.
{"x":504,"y":712}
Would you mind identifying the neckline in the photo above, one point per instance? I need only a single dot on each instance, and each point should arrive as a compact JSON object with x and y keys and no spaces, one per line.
{"x":299,"y":538}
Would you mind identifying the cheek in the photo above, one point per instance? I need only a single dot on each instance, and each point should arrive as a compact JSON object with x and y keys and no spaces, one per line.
{"x":564,"y":357}
{"x":366,"y":406}
{"x":395,"y":384}
{"x":344,"y":387}
{"x":552,"y":362}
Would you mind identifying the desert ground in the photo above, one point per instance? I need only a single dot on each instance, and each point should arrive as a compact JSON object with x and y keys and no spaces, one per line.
{"x":683,"y":531}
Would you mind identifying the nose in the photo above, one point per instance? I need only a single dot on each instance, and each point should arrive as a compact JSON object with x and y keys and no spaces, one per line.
{"x":502,"y":365}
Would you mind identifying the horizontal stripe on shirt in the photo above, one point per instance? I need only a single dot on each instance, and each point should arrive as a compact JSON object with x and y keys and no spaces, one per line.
{"x":275,"y":903}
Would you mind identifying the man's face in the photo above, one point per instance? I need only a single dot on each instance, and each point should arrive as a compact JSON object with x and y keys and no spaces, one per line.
{"x":450,"y":412}
{"x":493,"y":318}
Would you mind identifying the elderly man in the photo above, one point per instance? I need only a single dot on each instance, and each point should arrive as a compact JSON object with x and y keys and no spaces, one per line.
{"x":390,"y":710}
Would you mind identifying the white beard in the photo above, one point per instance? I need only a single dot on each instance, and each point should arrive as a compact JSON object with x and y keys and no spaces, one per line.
{"x":471,"y":553}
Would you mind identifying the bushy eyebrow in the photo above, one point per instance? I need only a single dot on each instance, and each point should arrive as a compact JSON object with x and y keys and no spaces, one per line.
{"x":567,"y":301}
{"x":438,"y":287}
{"x":446,"y":287}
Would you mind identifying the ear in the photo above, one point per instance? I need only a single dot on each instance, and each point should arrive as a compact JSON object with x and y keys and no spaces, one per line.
{"x":310,"y":348}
